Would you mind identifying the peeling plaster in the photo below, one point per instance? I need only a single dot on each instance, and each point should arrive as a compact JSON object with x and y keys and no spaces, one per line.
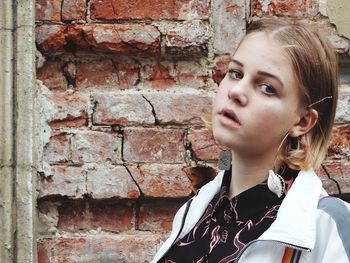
{"x":45,"y":111}
{"x":338,"y":12}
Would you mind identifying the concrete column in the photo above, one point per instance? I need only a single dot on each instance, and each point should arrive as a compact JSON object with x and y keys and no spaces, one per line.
{"x":17,"y":162}
{"x":6,"y":132}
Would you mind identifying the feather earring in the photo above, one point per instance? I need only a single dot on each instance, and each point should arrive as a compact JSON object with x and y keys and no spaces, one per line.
{"x":275,"y":182}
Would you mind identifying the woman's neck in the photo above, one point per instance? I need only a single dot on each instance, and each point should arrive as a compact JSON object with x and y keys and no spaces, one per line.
{"x":249,"y":171}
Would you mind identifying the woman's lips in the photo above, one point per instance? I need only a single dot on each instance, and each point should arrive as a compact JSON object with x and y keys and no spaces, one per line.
{"x":229,"y":118}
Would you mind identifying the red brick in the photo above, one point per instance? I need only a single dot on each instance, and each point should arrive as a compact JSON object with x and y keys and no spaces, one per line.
{"x":110,"y":181}
{"x":122,"y":109}
{"x":64,"y":181}
{"x":128,"y":73}
{"x":340,"y":142}
{"x":73,"y":10}
{"x":96,"y":73}
{"x":203,"y":145}
{"x":96,"y":147}
{"x":154,"y":145}
{"x":105,"y":215}
{"x":106,"y":73}
{"x":112,"y":216}
{"x":330,"y":186}
{"x":191,"y":74}
{"x":161,"y":180}
{"x":157,"y":215}
{"x":57,"y":150}
{"x":129,"y":248}
{"x":48,"y":10}
{"x":106,"y":38}
{"x":76,"y":40}
{"x":73,"y":217}
{"x":336,"y":169}
{"x":339,"y":171}
{"x":220,"y":70}
{"x":168,"y":74}
{"x":71,"y":109}
{"x":173,"y":108}
{"x":158,"y":76}
{"x":300,"y":8}
{"x":189,"y":39}
{"x":122,"y":39}
{"x":199,"y":176}
{"x":51,"y":74}
{"x":51,"y":39}
{"x":162,"y":9}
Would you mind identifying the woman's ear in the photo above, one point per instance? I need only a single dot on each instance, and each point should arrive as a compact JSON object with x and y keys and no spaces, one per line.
{"x":307,"y":121}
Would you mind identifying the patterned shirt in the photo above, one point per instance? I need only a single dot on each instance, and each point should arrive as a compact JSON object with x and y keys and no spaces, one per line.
{"x":228,"y":225}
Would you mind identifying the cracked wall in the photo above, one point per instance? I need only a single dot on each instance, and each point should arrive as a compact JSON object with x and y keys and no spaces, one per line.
{"x":121,"y":91}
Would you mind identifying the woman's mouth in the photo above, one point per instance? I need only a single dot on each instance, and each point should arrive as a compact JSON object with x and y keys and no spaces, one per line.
{"x":229,"y":118}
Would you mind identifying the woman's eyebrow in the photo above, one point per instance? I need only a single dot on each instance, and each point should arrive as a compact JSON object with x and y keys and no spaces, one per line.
{"x":237,"y":62}
{"x":264,"y":73}
{"x":271,"y":76}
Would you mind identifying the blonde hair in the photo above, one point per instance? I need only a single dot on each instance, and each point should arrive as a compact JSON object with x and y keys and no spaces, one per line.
{"x":315,"y":65}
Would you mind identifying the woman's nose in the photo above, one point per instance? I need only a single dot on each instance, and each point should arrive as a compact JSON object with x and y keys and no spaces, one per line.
{"x":237,"y":92}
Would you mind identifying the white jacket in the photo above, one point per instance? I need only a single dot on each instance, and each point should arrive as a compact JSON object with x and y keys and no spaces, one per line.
{"x":308,"y":220}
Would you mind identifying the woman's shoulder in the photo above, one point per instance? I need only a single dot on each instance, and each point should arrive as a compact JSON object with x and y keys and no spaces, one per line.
{"x":333,"y":230}
{"x":336,"y":208}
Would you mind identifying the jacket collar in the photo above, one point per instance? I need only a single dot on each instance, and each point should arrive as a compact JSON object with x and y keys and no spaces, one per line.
{"x":296,"y":219}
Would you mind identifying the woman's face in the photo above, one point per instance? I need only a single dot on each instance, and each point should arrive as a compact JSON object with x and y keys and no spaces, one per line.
{"x":258,"y":101}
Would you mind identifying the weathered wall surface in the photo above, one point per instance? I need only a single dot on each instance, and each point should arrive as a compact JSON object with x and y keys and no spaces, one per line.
{"x":121,"y":86}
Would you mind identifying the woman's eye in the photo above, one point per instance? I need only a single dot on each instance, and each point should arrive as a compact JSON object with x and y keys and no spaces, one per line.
{"x":235,"y":74}
{"x":267,"y":89}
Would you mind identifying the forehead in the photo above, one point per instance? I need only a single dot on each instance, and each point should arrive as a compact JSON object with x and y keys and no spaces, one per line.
{"x":260,"y":45}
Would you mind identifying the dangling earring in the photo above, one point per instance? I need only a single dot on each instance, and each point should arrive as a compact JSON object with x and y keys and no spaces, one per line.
{"x":275,"y":182}
{"x":224,"y":160}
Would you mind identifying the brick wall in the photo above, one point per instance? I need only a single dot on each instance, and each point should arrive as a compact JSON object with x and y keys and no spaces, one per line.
{"x":121,"y":87}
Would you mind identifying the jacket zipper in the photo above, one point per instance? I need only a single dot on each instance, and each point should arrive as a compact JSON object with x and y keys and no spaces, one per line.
{"x":275,"y":241}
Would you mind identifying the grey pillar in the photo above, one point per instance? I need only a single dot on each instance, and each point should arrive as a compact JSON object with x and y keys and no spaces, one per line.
{"x":17,"y":161}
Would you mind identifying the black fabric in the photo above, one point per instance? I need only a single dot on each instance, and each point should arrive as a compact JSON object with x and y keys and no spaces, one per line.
{"x":228,"y":225}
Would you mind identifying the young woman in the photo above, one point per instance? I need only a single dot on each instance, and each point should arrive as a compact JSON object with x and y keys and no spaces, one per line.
{"x":274,"y":112}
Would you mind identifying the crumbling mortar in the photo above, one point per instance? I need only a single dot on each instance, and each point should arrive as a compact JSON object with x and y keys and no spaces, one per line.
{"x":7,"y":29}
{"x":69,"y":72}
{"x":88,"y":13}
{"x":189,"y":153}
{"x":92,"y":109}
{"x":49,"y":23}
{"x":115,"y":66}
{"x":137,"y":207}
{"x":70,"y":154}
{"x":161,"y":40}
{"x":139,"y":66}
